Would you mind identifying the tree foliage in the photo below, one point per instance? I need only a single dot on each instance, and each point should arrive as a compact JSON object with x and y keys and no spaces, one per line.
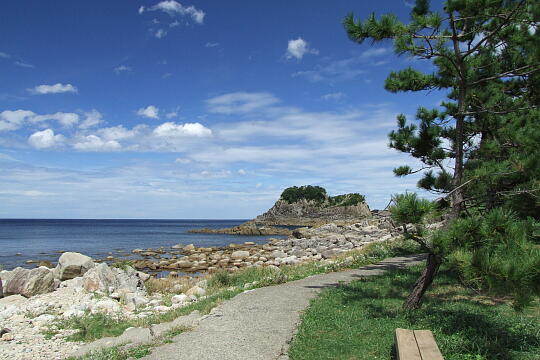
{"x":480,"y":147}
{"x":307,"y":192}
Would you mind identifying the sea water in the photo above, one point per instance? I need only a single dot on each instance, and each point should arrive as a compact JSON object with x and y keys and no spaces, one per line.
{"x":44,"y":239}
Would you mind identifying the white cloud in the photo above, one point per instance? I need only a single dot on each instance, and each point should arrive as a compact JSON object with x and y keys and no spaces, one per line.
{"x":160,"y":33}
{"x":13,"y":120}
{"x":211,"y":44}
{"x":374,"y":52}
{"x":173,"y":8}
{"x":119,"y":132}
{"x":338,"y":70}
{"x":175,"y":23}
{"x":45,"y":139}
{"x":240,"y":102}
{"x":95,"y":143}
{"x":242,"y":172}
{"x":298,"y":48}
{"x":171,"y":129}
{"x":182,"y":161}
{"x":171,"y":114}
{"x":52,"y":89}
{"x":122,"y":68}
{"x":334,"y":96}
{"x":66,"y":119}
{"x":141,"y":10}
{"x":150,"y":111}
{"x":92,"y":119}
{"x":3,"y":55}
{"x":24,"y":65}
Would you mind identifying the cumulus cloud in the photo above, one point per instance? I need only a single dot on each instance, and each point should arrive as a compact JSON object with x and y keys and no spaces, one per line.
{"x":119,"y":132}
{"x":93,"y":118}
{"x":174,"y":8}
{"x":240,"y":102}
{"x":121,"y":68}
{"x":66,"y":119}
{"x":150,"y":111}
{"x":171,"y":129}
{"x":298,"y":48}
{"x":13,"y":120}
{"x":95,"y":143}
{"x":52,"y":89}
{"x":45,"y":139}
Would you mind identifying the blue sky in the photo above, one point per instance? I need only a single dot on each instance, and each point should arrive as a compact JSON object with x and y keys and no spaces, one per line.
{"x":200,"y":109}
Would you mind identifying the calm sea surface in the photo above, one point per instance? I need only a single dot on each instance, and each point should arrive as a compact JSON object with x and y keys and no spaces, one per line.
{"x":40,"y":239}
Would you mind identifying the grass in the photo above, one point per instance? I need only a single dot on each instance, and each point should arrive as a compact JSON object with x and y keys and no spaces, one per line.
{"x":223,"y":286}
{"x":357,"y":321}
{"x":136,"y":352}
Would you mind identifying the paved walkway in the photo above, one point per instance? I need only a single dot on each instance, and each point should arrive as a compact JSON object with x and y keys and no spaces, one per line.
{"x":260,"y":324}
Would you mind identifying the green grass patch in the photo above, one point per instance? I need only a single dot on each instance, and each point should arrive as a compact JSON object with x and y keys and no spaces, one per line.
{"x":223,"y":286}
{"x":357,"y":321}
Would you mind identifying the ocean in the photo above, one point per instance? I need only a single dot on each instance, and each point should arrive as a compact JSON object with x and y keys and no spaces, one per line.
{"x":43,"y":239}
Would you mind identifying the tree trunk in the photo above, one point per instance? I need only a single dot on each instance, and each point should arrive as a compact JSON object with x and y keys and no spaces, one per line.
{"x":423,"y":282}
{"x":457,"y":195}
{"x":1,"y":289}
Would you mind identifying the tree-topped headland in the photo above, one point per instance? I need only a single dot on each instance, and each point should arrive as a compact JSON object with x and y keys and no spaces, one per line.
{"x":318,"y":194}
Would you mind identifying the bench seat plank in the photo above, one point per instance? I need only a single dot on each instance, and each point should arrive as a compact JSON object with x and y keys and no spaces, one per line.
{"x":406,"y":347}
{"x":427,"y":345}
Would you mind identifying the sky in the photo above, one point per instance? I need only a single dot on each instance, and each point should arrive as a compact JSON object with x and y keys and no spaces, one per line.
{"x":199,"y":109}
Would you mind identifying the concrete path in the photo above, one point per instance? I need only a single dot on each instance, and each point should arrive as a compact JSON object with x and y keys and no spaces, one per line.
{"x":260,"y":324}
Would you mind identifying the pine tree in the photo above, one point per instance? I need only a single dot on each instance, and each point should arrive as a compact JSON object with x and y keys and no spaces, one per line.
{"x":487,"y":56}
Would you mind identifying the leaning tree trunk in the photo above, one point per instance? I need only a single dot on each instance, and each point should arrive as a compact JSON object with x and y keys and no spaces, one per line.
{"x":423,"y":282}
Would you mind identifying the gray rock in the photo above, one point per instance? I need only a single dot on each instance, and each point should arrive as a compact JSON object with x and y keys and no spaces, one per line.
{"x":72,"y":264}
{"x":239,"y":255}
{"x":197,"y":291}
{"x":106,"y":279}
{"x":279,"y":254}
{"x":31,"y":282}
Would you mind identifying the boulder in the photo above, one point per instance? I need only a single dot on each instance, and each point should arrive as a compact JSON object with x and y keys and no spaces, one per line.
{"x":101,"y":278}
{"x":13,"y":300}
{"x":197,"y":291}
{"x":72,"y":264}
{"x":180,"y":299}
{"x":107,"y":279}
{"x":239,"y":255}
{"x":189,"y":247}
{"x":31,"y":282}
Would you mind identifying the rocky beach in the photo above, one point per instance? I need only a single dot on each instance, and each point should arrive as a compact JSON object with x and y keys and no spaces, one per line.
{"x":34,"y":300}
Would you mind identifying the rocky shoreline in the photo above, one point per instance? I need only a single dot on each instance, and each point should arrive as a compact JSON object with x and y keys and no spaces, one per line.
{"x":35,"y":299}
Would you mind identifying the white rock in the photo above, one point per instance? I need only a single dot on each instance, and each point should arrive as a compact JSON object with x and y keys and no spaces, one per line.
{"x":239,"y":255}
{"x":197,"y":291}
{"x":180,"y":299}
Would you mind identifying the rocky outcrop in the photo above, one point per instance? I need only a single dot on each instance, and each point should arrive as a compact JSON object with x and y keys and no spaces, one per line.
{"x":30,"y":282}
{"x":312,"y":213}
{"x":245,"y":229}
{"x":71,"y":265}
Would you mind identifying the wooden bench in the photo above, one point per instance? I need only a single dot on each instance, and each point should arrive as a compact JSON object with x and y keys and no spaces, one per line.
{"x":416,"y":345}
